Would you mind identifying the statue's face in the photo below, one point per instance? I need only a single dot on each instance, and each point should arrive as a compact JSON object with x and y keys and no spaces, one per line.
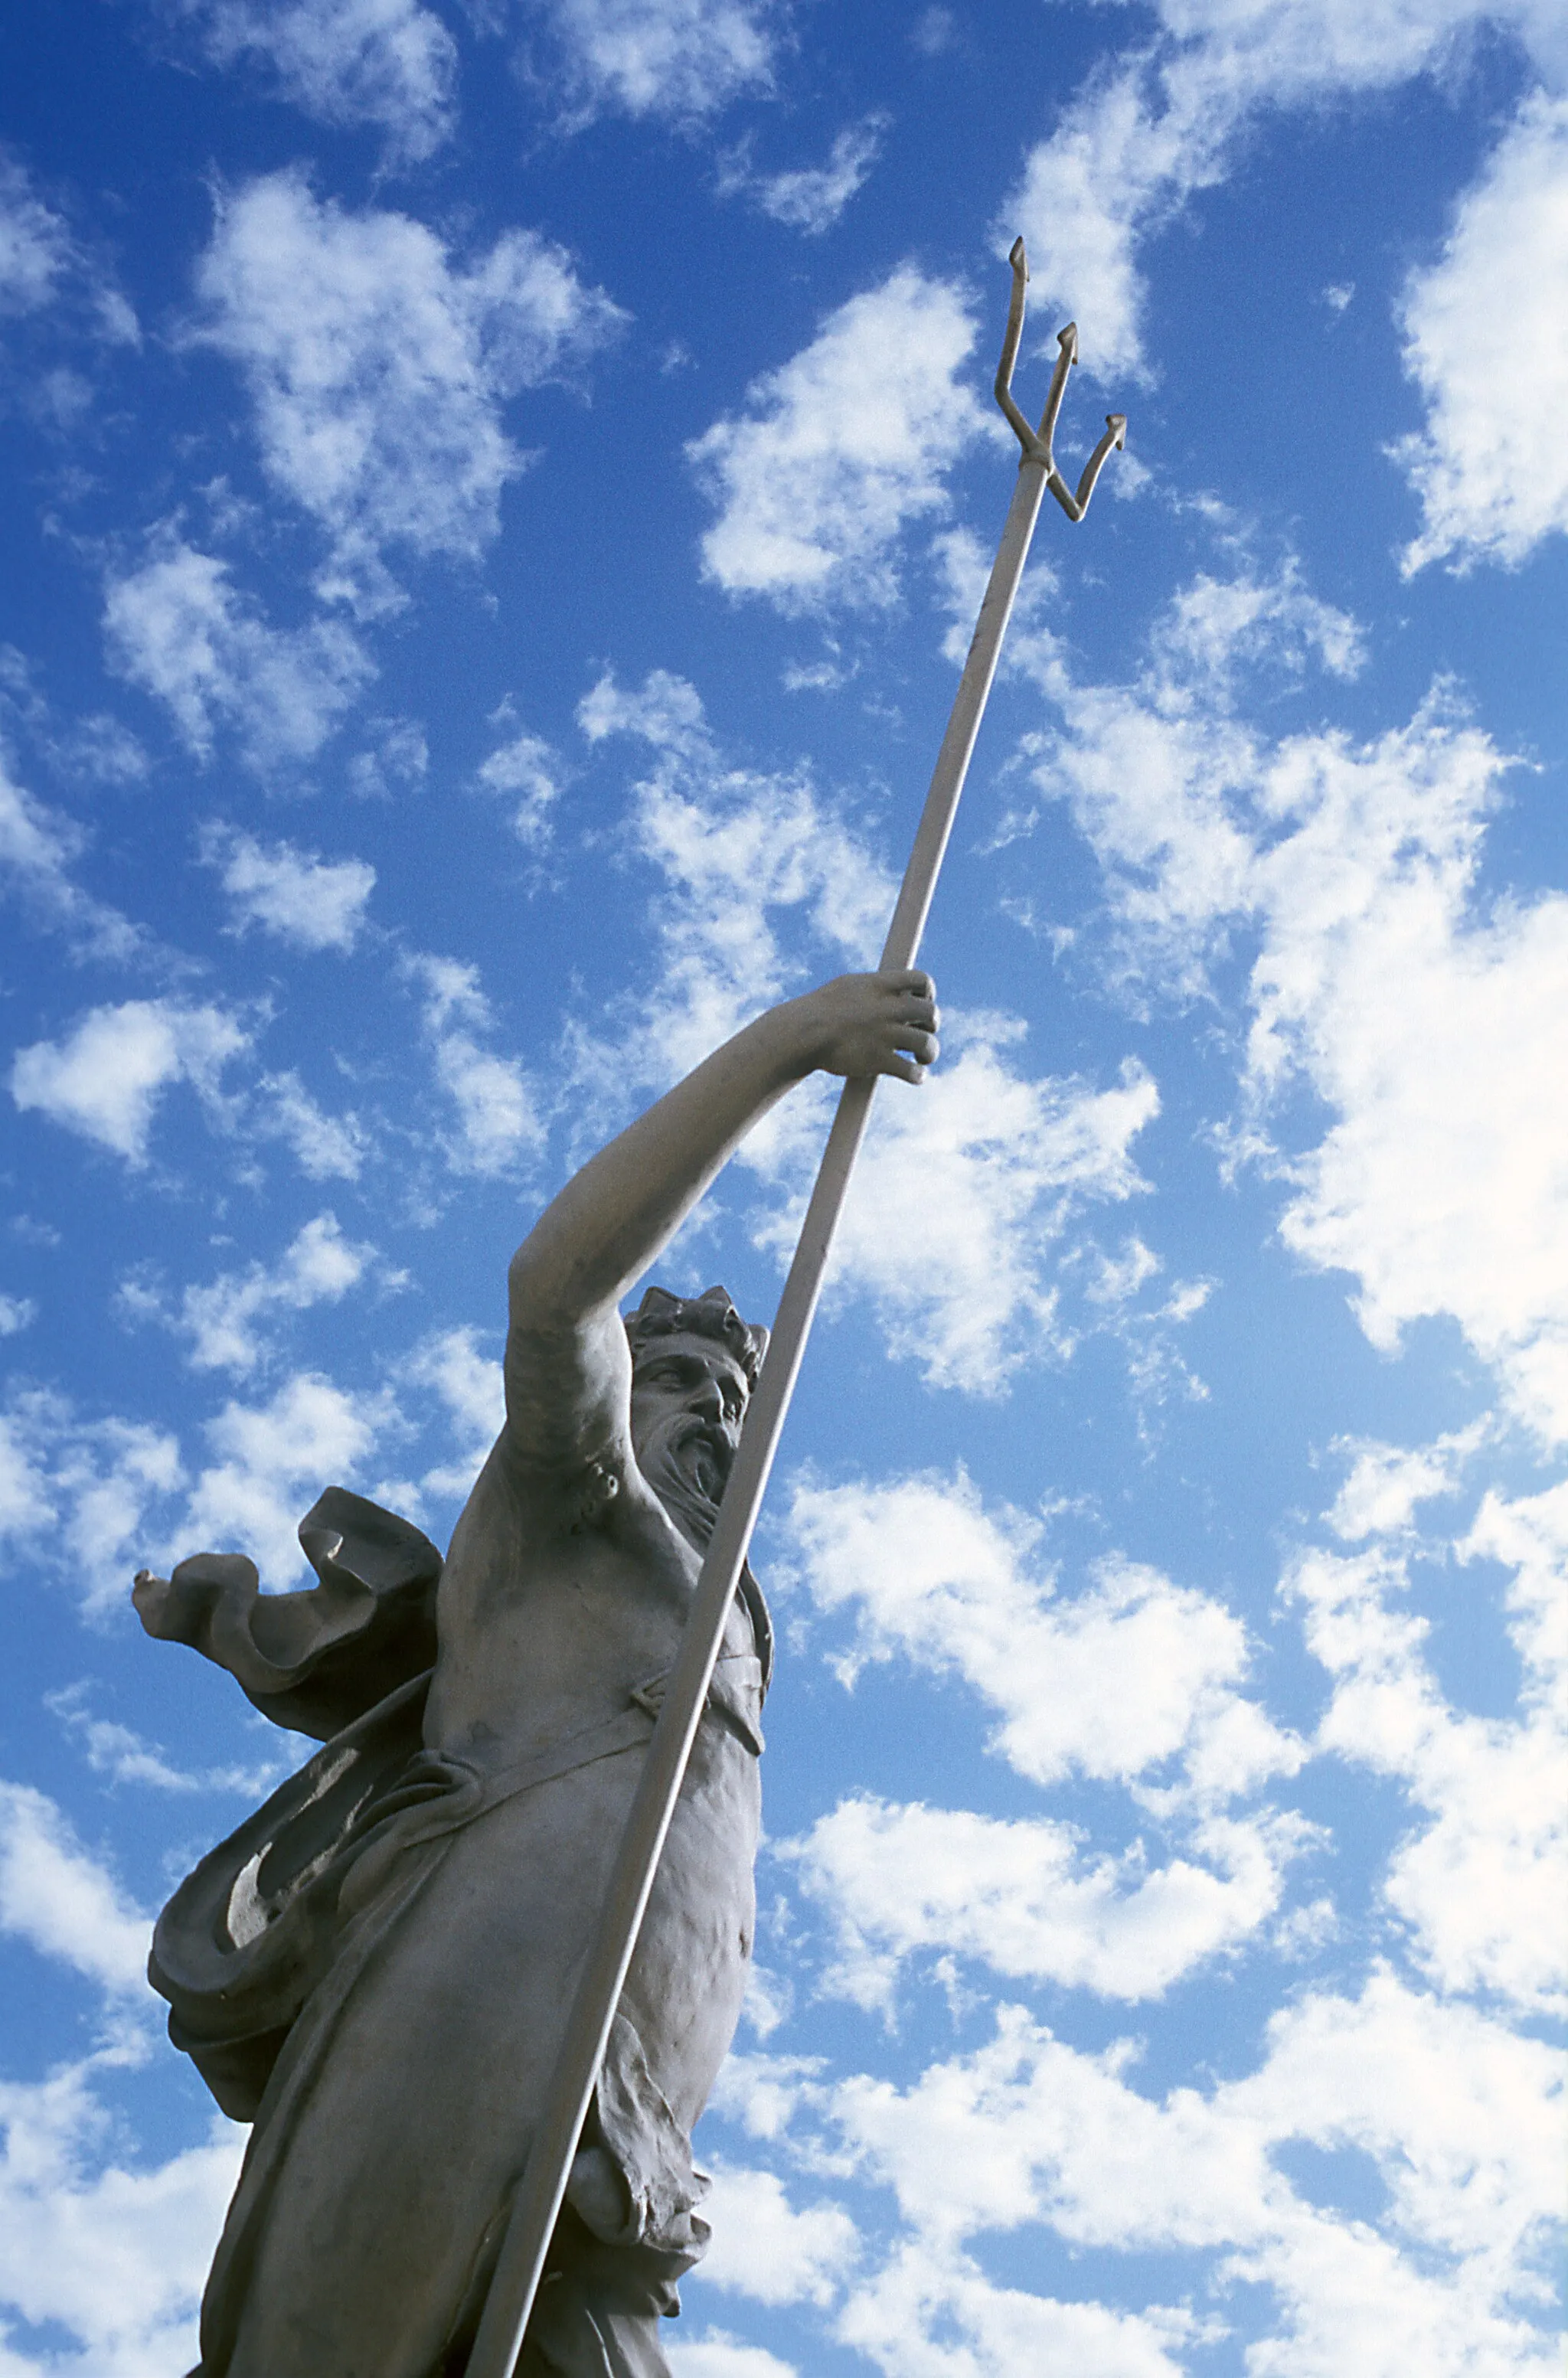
{"x":687,"y":1401}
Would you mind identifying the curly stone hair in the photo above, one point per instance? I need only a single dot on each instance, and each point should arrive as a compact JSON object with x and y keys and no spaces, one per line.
{"x":712,"y":1314}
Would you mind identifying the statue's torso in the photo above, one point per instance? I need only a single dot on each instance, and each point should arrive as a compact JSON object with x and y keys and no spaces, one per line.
{"x":544,"y":1630}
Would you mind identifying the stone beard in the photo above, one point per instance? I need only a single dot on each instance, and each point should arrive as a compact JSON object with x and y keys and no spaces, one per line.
{"x":375,"y":1969}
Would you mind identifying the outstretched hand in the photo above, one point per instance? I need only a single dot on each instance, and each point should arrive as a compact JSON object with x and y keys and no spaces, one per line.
{"x":862,"y":1023}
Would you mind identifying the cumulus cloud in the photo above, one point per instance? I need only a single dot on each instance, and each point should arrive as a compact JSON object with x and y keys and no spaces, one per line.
{"x":1024,"y":1898}
{"x":325,"y":1147}
{"x":312,"y":903}
{"x":267,"y":1463}
{"x":719,"y":2355}
{"x":38,"y":848}
{"x":762,"y":880}
{"x":1119,"y":1680}
{"x":1497,"y":1842}
{"x":1009,"y":1162}
{"x":61,"y":1900}
{"x":1150,"y":130}
{"x":811,"y":199}
{"x":765,"y":2249}
{"x":390,"y":63}
{"x":36,"y":247}
{"x":467,"y":1383}
{"x":1458,"y":2116}
{"x":126,"y":1757}
{"x":379,"y":365}
{"x":180,"y":628}
{"x":1386,"y":1484}
{"x":106,"y":1079}
{"x":106,"y":2257}
{"x":399,"y":755}
{"x":500,"y":1124}
{"x":1424,"y":1019}
{"x":43,"y":267}
{"x":224,"y":1322}
{"x":92,"y":1501}
{"x":76,"y":1493}
{"x":526,"y":773}
{"x":679,"y":59}
{"x":1489,"y":467}
{"x":840,"y":448}
{"x":741,"y":857}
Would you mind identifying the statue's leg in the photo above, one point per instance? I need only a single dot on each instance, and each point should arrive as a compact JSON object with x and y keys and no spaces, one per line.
{"x":412,"y":2120}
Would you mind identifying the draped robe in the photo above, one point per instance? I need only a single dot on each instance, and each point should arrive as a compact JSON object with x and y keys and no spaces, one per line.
{"x":375,"y":1969}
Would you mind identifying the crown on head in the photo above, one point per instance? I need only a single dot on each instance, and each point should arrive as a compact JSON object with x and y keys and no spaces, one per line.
{"x":712,"y":1314}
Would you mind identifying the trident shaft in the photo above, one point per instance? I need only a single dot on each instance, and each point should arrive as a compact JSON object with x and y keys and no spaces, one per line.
{"x":538,"y":2200}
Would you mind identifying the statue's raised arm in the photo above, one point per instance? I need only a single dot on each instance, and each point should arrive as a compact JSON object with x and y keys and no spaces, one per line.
{"x":568,"y":1369}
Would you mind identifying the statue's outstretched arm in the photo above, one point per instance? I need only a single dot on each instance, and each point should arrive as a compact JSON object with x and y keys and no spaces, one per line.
{"x":567,"y":1368}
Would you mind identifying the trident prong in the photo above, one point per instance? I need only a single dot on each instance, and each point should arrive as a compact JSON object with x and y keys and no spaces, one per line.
{"x":1036,"y":443}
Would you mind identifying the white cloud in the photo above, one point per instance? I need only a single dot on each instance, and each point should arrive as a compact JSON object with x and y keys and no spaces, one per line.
{"x":61,"y":1901}
{"x":314,"y":904}
{"x":390,"y":63}
{"x":326,"y":1148}
{"x":399,"y":756}
{"x":499,"y":1125}
{"x":125,"y":1756}
{"x":178,"y":628}
{"x":811,"y":198}
{"x":1490,"y":468}
{"x":378,"y":367}
{"x":1118,"y":164}
{"x":525,"y":772}
{"x":1426,"y":1021}
{"x":1153,"y":128}
{"x":681,"y":59}
{"x":224,"y":1320}
{"x":468,"y":1383}
{"x":1431,"y":1030}
{"x":756,"y":871}
{"x":948,"y":2320}
{"x":1497,"y":1846}
{"x":718,"y":2355}
{"x":1115,"y":1681}
{"x":270,"y":1461}
{"x":1460,"y":2117}
{"x":1022,"y":1897}
{"x":75,"y":1495}
{"x":36,"y":848}
{"x":842,"y":447}
{"x":110,"y":2257}
{"x":1386,"y":1483}
{"x":106,"y":1081}
{"x":17,"y":1312}
{"x":742,"y":857}
{"x":36,"y":249}
{"x":1008,"y":1162}
{"x":764,"y":2247}
{"x":43,"y":267}
{"x":94,"y":1500}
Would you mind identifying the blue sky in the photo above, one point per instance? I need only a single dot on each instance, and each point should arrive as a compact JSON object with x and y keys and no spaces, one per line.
{"x":494,"y":498}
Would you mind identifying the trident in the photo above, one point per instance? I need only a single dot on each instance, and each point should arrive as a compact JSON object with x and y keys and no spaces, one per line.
{"x":537,"y":2203}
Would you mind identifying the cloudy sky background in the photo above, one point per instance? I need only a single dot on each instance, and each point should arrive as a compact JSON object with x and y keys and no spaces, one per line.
{"x":494,"y":497}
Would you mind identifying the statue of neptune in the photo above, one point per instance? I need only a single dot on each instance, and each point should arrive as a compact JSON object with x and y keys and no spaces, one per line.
{"x":375,"y":1969}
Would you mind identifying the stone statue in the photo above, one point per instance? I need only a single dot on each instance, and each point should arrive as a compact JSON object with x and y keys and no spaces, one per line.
{"x":375,"y":1969}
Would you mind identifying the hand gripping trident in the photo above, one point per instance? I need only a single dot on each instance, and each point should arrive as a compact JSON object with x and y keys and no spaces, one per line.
{"x":538,"y":2200}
